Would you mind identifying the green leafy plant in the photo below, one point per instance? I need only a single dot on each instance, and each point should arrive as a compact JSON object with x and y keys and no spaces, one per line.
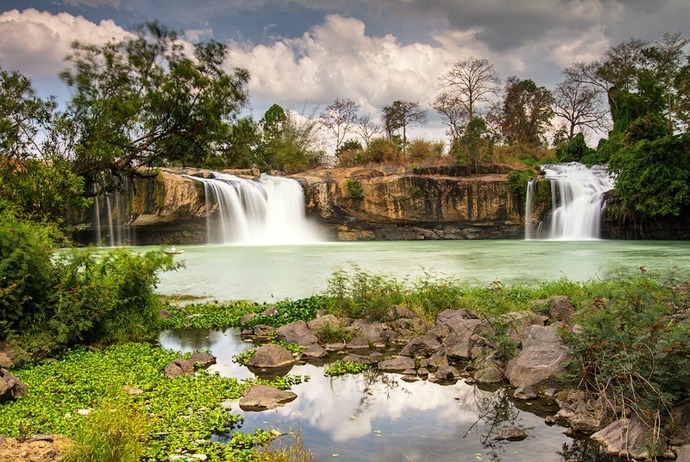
{"x":354,"y":189}
{"x":344,"y":367}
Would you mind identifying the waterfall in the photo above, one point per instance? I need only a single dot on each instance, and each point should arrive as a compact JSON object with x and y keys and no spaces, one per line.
{"x":577,"y":202}
{"x":265,"y":211}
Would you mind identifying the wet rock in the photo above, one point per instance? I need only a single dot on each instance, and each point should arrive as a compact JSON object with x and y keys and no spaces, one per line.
{"x":542,"y":360}
{"x":263,"y":397}
{"x":489,"y":371}
{"x":359,"y":343}
{"x":511,"y":434}
{"x":439,"y":359}
{"x":447,"y":373}
{"x":581,"y":411}
{"x":322,"y":323}
{"x":396,"y":364}
{"x":179,"y":367}
{"x":260,"y":332}
{"x":425,"y":345}
{"x":202,"y":359}
{"x":561,"y":309}
{"x":630,"y":438}
{"x":296,"y":332}
{"x":11,"y":387}
{"x":271,"y":356}
{"x":423,"y":372}
{"x":315,"y":351}
{"x":335,"y":346}
{"x":358,"y":359}
{"x":525,"y":393}
{"x":375,"y":357}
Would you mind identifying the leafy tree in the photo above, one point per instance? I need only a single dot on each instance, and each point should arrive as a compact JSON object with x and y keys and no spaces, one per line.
{"x":350,"y":153}
{"x":475,"y":146}
{"x":339,"y":118}
{"x":291,"y":140}
{"x":471,"y":82}
{"x":143,"y":102}
{"x":574,"y":150}
{"x":525,"y":114}
{"x":400,"y":115}
{"x":243,"y":144}
{"x":35,"y":183}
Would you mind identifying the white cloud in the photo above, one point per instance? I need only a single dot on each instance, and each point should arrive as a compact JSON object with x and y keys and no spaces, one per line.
{"x":36,"y":43}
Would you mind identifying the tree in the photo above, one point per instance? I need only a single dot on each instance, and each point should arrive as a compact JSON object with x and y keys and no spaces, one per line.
{"x":580,"y":106}
{"x":243,"y":144}
{"x":367,"y":128}
{"x":526,"y":112}
{"x":35,"y":183}
{"x":453,"y":114}
{"x":290,"y":141}
{"x":471,"y":82}
{"x":339,"y":118}
{"x":400,"y":115}
{"x":143,"y":102}
{"x":475,"y":145}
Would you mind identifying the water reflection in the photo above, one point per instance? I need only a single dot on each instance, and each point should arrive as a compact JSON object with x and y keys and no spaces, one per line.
{"x":379,"y":417}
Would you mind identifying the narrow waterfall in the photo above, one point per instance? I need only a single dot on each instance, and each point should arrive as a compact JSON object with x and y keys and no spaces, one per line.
{"x":577,"y":202}
{"x":266,"y":211}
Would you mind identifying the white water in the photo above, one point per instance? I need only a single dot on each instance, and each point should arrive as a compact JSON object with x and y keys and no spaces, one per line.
{"x":577,"y":202}
{"x":265,"y":211}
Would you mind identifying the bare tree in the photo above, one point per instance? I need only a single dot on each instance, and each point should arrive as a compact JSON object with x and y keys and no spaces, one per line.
{"x":367,"y":128}
{"x":400,"y":115}
{"x":580,"y":106}
{"x":453,"y":113}
{"x":339,"y":118}
{"x":472,"y":81}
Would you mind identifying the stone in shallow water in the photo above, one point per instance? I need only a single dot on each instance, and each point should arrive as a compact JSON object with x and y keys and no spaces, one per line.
{"x":271,"y":355}
{"x":263,"y":397}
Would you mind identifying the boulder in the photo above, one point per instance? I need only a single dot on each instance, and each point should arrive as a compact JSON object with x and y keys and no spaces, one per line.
{"x":179,"y":367}
{"x":561,"y":309}
{"x":396,"y":364}
{"x":359,"y":343}
{"x":318,"y":325}
{"x":520,"y":322}
{"x":426,"y":345}
{"x":511,"y":434}
{"x":684,"y":454}
{"x":542,"y":360}
{"x":630,"y":438}
{"x":202,"y":359}
{"x":581,"y":411}
{"x":446,"y":373}
{"x":315,"y":351}
{"x":374,"y":332}
{"x":296,"y":332}
{"x":270,"y":356}
{"x":11,"y":387}
{"x":263,"y":397}
{"x":489,"y":370}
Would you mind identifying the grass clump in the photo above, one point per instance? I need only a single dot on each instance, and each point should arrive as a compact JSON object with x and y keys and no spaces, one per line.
{"x":344,"y":367}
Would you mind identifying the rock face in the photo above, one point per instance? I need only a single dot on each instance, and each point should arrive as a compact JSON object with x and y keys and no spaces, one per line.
{"x":399,"y":203}
{"x":395,"y":203}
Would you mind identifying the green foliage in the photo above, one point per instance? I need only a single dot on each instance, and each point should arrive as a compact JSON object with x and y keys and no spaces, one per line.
{"x":116,"y":432}
{"x":209,"y":315}
{"x":344,"y":367}
{"x":574,"y":150}
{"x":525,"y":114}
{"x":54,"y":300}
{"x":518,"y":180}
{"x":287,"y":311}
{"x":475,"y":145}
{"x":181,"y":414}
{"x":653,"y":177}
{"x":350,"y":153}
{"x":381,"y":150}
{"x":631,"y":351}
{"x":358,"y":294}
{"x":144,"y":102}
{"x":354,"y":189}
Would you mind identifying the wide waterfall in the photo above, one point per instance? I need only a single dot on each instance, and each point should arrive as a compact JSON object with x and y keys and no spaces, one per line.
{"x":268,"y":210}
{"x":577,"y":202}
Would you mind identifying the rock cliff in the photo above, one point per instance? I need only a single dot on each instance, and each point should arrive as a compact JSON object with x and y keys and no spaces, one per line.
{"x":372,"y":203}
{"x":391,"y":203}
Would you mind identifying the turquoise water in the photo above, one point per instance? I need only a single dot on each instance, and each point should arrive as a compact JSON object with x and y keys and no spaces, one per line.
{"x":265,"y":273}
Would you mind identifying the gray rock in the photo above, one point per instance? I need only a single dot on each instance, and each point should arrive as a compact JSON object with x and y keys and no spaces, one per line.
{"x":489,"y":371}
{"x":315,"y":351}
{"x":318,"y":325}
{"x":630,"y":438}
{"x":396,"y":364}
{"x":359,"y":343}
{"x":520,"y":322}
{"x":684,"y":454}
{"x":447,"y":373}
{"x":263,"y":397}
{"x":426,"y":345}
{"x":582,"y":412}
{"x":542,"y":360}
{"x":179,"y":367}
{"x":372,"y":331}
{"x":296,"y":332}
{"x":561,"y":309}
{"x":358,"y":359}
{"x":404,"y":312}
{"x":203,"y":359}
{"x":270,"y":356}
{"x":335,"y":346}
{"x":511,"y":434}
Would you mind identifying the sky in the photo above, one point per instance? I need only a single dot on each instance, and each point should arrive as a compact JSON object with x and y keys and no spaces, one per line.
{"x":306,"y":53}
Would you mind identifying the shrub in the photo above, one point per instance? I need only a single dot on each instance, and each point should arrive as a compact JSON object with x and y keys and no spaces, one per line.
{"x":354,"y":189}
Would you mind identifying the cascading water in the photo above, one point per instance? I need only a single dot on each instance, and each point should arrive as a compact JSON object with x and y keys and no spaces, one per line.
{"x":577,"y":202}
{"x":266,"y":211}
